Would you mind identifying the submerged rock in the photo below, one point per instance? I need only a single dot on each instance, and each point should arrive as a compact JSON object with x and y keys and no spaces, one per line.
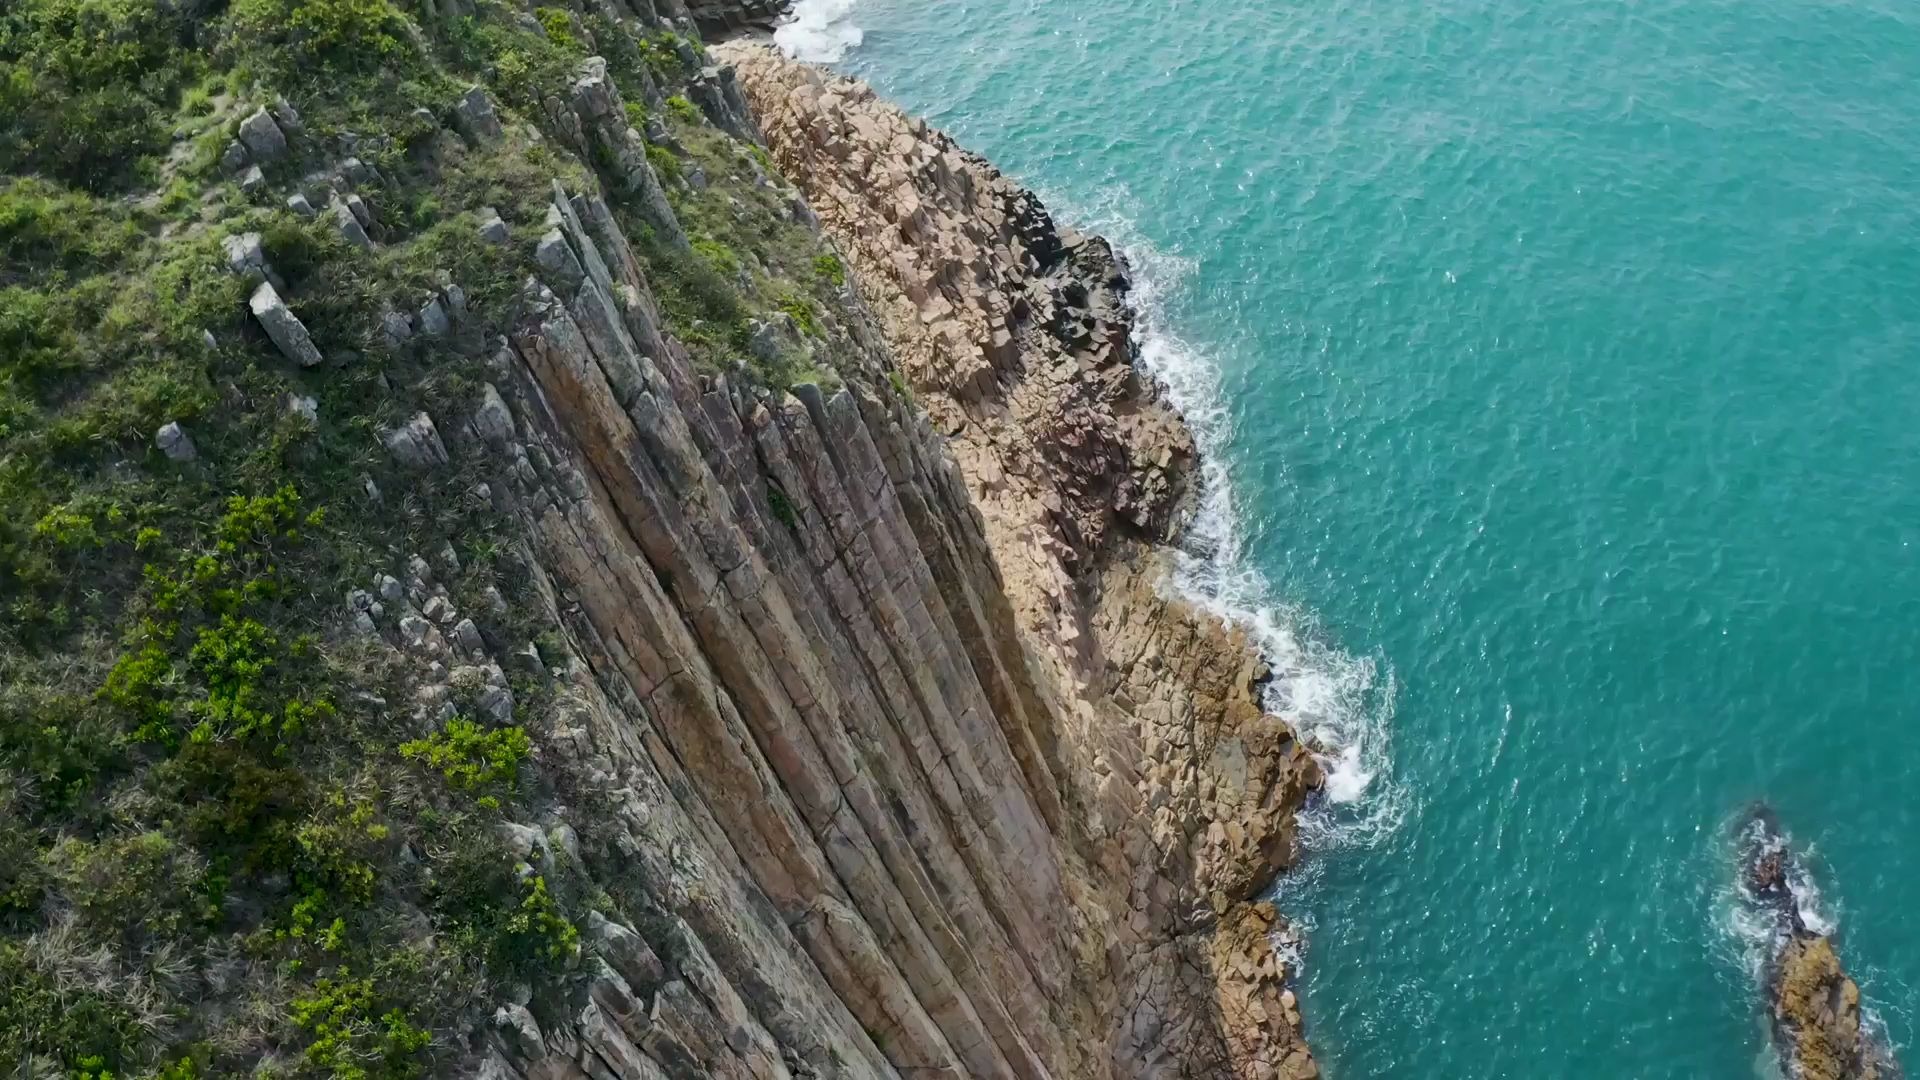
{"x":1813,"y":1006}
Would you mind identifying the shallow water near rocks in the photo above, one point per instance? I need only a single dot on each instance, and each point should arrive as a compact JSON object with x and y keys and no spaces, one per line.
{"x":1559,"y":364}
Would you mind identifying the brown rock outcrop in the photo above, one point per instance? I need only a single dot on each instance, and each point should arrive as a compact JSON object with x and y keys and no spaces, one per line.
{"x":1813,"y":1006}
{"x":1017,"y":341}
{"x":877,"y":720}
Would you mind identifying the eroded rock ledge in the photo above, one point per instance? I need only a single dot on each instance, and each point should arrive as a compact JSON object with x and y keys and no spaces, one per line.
{"x":1017,"y":341}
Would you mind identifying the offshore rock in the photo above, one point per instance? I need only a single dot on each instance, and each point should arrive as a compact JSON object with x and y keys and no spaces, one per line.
{"x":1813,"y":1007}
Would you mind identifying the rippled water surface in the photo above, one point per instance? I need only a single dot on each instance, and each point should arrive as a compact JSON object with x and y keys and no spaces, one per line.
{"x":1561,"y":360}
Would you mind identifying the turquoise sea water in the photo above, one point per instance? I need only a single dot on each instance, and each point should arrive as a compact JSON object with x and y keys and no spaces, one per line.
{"x":1562,"y":358}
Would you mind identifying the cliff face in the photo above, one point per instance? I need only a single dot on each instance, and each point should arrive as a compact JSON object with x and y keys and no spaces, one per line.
{"x":924,"y":694}
{"x":803,"y":697}
{"x":954,"y":786}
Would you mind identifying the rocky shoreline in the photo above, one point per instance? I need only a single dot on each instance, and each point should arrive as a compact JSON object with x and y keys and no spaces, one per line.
{"x":1016,"y":339}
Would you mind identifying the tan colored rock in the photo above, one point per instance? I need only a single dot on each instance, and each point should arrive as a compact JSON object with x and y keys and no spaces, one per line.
{"x":907,"y":763}
{"x":1017,"y":340}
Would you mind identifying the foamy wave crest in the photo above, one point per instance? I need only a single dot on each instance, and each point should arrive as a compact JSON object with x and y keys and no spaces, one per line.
{"x":1749,"y":933}
{"x":1341,"y":705}
{"x":821,"y":31}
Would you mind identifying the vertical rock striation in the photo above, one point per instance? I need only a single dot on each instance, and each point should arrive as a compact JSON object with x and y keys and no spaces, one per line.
{"x":882,"y":707}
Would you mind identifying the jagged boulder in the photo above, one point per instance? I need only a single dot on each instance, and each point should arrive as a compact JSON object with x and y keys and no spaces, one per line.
{"x":493,"y":421}
{"x":262,"y":137}
{"x":352,"y":229}
{"x":289,"y":334}
{"x":492,"y":228}
{"x":717,"y":91}
{"x":473,"y":115}
{"x":416,"y":444}
{"x":172,"y":441}
{"x":246,"y":257}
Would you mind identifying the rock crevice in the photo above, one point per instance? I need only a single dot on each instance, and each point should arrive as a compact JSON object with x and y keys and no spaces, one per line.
{"x":880,"y":692}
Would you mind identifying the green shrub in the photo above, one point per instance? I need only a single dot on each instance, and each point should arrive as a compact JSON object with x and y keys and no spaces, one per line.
{"x":899,"y":384}
{"x":294,"y":35}
{"x":87,"y":87}
{"x":782,"y":508}
{"x":558,"y":24}
{"x":473,"y":900}
{"x":718,"y":255}
{"x":683,"y":110}
{"x":470,"y":756}
{"x":46,"y":229}
{"x":664,"y":163}
{"x":801,"y":311}
{"x":143,"y":883}
{"x":661,"y":57}
{"x":45,"y":1015}
{"x":357,"y":1034}
{"x":829,"y":269}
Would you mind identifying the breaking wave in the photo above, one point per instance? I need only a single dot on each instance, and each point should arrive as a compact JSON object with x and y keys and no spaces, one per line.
{"x":1340,"y":704}
{"x":821,"y":31}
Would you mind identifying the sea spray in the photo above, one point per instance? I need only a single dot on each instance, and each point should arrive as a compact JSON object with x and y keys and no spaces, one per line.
{"x":1341,"y":704}
{"x":821,"y":31}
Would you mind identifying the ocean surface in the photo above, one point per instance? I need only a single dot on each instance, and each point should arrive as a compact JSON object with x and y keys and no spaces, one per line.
{"x":1559,"y":361}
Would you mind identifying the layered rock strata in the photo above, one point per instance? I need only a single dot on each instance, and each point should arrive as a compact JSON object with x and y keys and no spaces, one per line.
{"x":1016,"y":339}
{"x":877,"y":702}
{"x":1813,"y":1006}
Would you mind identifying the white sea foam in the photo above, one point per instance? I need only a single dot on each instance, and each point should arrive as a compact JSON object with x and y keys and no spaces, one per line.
{"x":1342,"y":705}
{"x":819,"y":30}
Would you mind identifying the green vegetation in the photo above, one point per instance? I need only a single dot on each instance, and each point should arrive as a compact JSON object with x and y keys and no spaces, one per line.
{"x":470,"y":756}
{"x":87,"y":87}
{"x":203,"y":766}
{"x":828,"y":269}
{"x":353,"y":1038}
{"x":683,"y":110}
{"x":782,"y":508}
{"x":329,"y":34}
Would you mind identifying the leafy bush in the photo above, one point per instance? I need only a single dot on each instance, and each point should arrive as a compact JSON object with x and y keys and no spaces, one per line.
{"x":470,"y":756}
{"x":86,"y":87}
{"x":558,"y":23}
{"x":43,"y":1015}
{"x":46,"y":229}
{"x":664,"y":163}
{"x":473,"y":897}
{"x":337,"y":34}
{"x":683,"y":110}
{"x":661,"y":56}
{"x":829,"y":269}
{"x":142,"y":884}
{"x":537,"y":929}
{"x":801,"y":311}
{"x":354,"y":1037}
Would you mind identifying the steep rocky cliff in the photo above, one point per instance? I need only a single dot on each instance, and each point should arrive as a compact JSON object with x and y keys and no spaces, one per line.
{"x":789,"y":684}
